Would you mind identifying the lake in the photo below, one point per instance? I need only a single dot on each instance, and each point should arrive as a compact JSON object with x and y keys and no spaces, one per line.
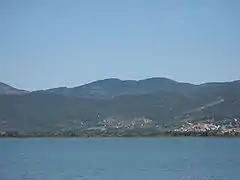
{"x":120,"y":159}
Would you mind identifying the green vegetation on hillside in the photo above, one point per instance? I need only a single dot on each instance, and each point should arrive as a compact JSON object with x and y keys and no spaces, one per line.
{"x":172,"y":103}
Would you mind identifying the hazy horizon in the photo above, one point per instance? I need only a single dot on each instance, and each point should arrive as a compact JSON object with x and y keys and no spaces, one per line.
{"x":47,"y":44}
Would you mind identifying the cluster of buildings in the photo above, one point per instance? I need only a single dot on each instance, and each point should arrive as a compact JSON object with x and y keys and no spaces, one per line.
{"x":198,"y":127}
{"x":224,"y":126}
{"x":126,"y":123}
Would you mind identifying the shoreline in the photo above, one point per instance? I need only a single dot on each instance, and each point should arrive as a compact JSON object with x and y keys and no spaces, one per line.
{"x":118,"y":137}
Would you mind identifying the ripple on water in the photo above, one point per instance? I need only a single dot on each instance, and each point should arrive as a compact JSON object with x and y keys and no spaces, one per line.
{"x":144,"y":170}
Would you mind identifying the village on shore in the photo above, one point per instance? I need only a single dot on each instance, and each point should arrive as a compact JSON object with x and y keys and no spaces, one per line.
{"x":137,"y":127}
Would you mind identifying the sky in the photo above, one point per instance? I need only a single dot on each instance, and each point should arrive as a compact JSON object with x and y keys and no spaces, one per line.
{"x":53,"y":43}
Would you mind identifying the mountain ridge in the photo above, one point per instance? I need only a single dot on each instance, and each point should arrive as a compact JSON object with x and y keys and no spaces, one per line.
{"x":161,"y":101}
{"x":160,"y":81}
{"x":112,"y":87}
{"x":7,"y":89}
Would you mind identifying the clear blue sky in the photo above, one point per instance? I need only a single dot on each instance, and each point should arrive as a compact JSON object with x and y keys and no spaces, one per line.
{"x":51,"y":43}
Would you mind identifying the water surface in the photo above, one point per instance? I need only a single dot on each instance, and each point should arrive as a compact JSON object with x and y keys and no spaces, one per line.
{"x":120,"y":159}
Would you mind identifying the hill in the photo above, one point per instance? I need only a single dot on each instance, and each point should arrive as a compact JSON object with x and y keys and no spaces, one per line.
{"x":109,"y":88}
{"x":6,"y":89}
{"x":170,"y":102}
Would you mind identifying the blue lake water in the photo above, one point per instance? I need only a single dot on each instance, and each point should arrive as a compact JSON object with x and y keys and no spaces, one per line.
{"x":120,"y":159}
